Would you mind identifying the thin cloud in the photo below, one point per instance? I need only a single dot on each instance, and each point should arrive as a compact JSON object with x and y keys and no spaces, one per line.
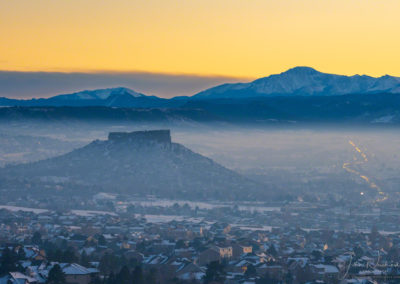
{"x":16,"y":84}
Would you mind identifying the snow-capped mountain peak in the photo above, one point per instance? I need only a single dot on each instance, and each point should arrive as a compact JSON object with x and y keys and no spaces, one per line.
{"x":100,"y":94}
{"x":301,"y":70}
{"x":304,"y":81}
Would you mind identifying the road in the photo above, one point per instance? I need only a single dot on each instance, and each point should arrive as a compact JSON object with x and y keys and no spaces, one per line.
{"x":361,"y":159}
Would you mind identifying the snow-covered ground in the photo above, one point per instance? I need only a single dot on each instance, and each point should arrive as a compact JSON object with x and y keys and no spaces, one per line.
{"x":24,"y":209}
{"x":87,"y":213}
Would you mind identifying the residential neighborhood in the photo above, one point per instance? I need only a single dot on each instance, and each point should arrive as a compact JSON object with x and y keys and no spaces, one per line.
{"x":94,"y":246}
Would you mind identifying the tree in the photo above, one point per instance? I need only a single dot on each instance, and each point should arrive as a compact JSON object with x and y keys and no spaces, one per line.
{"x":151,"y":276}
{"x":85,"y":259}
{"x":289,"y":277}
{"x":180,"y":244}
{"x":69,"y":256}
{"x":316,"y":254}
{"x":215,"y":272}
{"x":358,"y":251}
{"x":57,"y":255}
{"x":110,"y":278}
{"x":97,"y":280}
{"x":21,"y":253}
{"x":124,"y":276}
{"x":137,"y":275}
{"x":267,"y":279}
{"x":109,"y":263}
{"x":110,"y":205}
{"x":197,"y":244}
{"x":56,"y":275}
{"x":131,"y":209}
{"x":250,"y":271}
{"x":8,"y":261}
{"x":272,"y":251}
{"x":102,"y":240}
{"x":393,"y":254}
{"x":36,"y":239}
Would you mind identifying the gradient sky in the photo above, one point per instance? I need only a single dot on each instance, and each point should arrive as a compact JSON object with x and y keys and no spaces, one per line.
{"x":233,"y":38}
{"x":19,"y":84}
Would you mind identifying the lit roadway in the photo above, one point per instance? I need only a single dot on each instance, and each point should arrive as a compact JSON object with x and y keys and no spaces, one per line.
{"x":360,"y":159}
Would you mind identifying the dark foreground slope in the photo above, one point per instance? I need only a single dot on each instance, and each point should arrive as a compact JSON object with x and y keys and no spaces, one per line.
{"x":139,"y":163}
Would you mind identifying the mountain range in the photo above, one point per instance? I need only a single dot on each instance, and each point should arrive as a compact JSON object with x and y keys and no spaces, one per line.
{"x":141,"y":163}
{"x":112,"y":97}
{"x":305,"y":81}
{"x":300,"y":94}
{"x":298,"y":81}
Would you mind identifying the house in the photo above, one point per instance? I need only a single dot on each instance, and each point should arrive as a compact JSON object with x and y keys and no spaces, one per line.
{"x":274,"y":271}
{"x":327,"y":273}
{"x":238,"y":250}
{"x":77,"y":274}
{"x":17,"y":278}
{"x":74,"y":273}
{"x":215,"y":253}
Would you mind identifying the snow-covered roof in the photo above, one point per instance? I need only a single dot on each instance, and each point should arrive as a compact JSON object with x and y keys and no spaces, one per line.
{"x":74,"y":269}
{"x":327,"y":268}
{"x":190,"y":275}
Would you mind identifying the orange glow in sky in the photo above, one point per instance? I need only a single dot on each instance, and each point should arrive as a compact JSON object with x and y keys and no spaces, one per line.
{"x":243,"y":38}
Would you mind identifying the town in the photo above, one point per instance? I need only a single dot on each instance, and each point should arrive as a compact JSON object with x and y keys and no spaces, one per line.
{"x":166,"y":241}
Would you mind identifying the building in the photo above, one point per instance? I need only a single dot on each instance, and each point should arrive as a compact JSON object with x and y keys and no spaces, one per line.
{"x":215,"y":253}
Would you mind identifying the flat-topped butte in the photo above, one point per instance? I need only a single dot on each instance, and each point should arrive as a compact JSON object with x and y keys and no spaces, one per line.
{"x":160,"y":136}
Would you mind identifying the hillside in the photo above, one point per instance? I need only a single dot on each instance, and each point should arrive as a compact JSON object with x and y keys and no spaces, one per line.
{"x":140,"y":163}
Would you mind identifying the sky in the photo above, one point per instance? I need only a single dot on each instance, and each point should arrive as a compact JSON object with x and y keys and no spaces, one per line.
{"x":216,"y":40}
{"x":25,"y":85}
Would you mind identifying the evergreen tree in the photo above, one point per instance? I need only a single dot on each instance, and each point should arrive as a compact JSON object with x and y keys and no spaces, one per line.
{"x":69,"y":256}
{"x":250,"y":271}
{"x":36,"y":239}
{"x":180,"y":244}
{"x":85,"y":259}
{"x":108,"y":263}
{"x":111,"y":278}
{"x":58,"y":255}
{"x":267,"y":279}
{"x":151,"y":277}
{"x":21,"y":253}
{"x":124,"y":276}
{"x":289,"y":278}
{"x":272,"y":251}
{"x":8,"y":261}
{"x":102,"y":240}
{"x":96,"y":280}
{"x":358,"y":251}
{"x":56,"y":275}
{"x":215,"y":273}
{"x":137,"y":275}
